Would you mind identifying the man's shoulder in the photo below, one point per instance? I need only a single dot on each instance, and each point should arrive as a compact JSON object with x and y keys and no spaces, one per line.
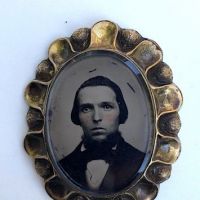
{"x":128,"y":151}
{"x":74,"y":155}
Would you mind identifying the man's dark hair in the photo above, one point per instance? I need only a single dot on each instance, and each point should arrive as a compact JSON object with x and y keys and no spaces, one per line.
{"x":101,"y":81}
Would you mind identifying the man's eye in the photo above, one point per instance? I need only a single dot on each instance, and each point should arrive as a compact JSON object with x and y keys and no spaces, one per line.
{"x":107,"y":107}
{"x":85,"y":110}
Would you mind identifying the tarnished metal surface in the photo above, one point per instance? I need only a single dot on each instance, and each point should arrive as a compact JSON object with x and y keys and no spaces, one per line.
{"x":167,"y":97}
{"x":103,"y":35}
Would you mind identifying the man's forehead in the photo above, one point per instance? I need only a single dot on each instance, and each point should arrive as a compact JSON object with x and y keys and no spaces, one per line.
{"x":96,"y":94}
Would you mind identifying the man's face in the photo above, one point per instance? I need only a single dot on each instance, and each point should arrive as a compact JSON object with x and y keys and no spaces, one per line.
{"x":98,"y":112}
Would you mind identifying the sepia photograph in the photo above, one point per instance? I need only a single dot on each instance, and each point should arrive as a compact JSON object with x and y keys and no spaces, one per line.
{"x":98,"y":122}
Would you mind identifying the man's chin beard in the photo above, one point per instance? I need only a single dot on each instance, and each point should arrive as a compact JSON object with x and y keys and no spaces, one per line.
{"x":98,"y":143}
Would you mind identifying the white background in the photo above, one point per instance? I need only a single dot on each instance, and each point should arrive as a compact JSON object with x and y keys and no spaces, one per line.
{"x":27,"y":27}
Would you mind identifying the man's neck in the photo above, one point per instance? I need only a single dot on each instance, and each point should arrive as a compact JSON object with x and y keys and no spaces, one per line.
{"x":109,"y":143}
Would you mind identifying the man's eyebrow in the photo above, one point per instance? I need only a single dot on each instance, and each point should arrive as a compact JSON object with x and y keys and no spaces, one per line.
{"x":85,"y":104}
{"x":107,"y":102}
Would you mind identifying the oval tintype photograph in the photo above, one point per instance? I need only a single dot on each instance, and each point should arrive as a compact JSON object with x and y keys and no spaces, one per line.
{"x":99,"y":122}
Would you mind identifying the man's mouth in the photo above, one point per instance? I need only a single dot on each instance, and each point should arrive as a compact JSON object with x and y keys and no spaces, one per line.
{"x":97,"y":132}
{"x":97,"y":129}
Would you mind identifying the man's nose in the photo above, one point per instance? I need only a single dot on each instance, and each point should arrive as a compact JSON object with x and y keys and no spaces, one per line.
{"x":97,"y":117}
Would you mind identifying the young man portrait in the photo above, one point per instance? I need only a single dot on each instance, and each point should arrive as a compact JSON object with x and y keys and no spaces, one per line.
{"x":103,"y":161}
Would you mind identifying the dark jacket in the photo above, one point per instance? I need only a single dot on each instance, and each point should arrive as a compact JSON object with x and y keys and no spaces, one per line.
{"x":124,"y":164}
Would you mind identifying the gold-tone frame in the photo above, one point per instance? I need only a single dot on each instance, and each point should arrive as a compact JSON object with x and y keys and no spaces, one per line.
{"x":167,"y":100}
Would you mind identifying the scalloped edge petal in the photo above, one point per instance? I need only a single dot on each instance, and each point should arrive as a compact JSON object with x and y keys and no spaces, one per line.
{"x":168,"y":98}
{"x":147,"y":54}
{"x":103,"y":35}
{"x":60,"y":51}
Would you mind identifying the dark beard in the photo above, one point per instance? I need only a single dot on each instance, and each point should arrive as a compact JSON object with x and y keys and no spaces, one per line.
{"x":104,"y":145}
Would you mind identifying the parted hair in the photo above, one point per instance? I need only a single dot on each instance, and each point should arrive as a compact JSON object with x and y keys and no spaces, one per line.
{"x":101,"y":81}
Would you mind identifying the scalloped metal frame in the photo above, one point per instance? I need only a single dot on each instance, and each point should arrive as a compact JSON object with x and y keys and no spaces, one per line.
{"x":166,"y":96}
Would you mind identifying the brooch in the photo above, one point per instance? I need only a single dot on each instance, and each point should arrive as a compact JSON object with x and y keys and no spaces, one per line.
{"x":103,"y":116}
